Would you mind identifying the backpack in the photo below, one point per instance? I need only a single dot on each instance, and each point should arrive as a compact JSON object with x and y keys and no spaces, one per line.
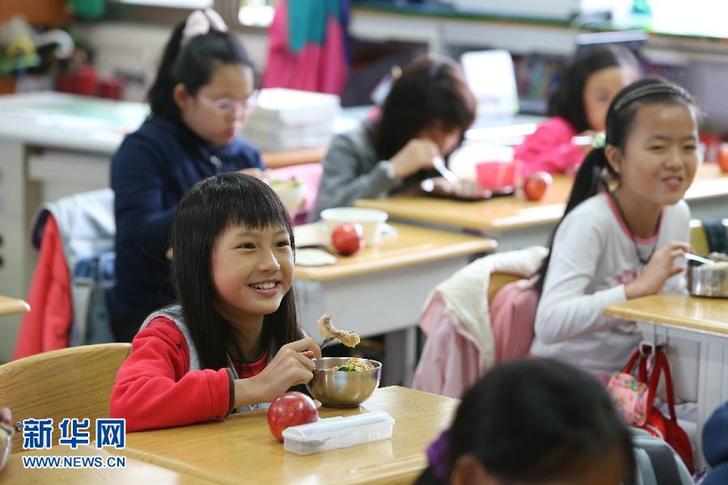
{"x":657,"y":463}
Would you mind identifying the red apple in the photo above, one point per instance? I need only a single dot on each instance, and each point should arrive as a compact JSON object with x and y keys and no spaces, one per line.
{"x":722,"y":157}
{"x":536,"y":184}
{"x":348,"y":238}
{"x":290,"y":409}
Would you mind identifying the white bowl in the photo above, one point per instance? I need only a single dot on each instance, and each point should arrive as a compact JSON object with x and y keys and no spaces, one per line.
{"x":292,"y":194}
{"x":372,"y":221}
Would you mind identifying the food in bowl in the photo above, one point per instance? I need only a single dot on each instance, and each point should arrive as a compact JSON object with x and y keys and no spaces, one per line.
{"x":339,"y":388}
{"x":328,"y":331}
{"x":292,"y":192}
{"x":354,"y":364}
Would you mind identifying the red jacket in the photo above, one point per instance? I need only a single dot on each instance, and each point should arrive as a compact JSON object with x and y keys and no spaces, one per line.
{"x":48,"y":324}
{"x":154,"y":388}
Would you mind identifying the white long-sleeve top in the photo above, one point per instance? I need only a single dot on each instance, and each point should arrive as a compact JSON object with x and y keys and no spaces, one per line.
{"x":592,"y":259}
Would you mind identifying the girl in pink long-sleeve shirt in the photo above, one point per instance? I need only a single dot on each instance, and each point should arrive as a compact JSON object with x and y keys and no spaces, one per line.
{"x":579,"y":105}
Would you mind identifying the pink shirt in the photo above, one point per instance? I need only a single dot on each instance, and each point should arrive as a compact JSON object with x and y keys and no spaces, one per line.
{"x":550,"y":149}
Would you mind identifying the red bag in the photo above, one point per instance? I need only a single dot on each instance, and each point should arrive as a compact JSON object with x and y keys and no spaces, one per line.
{"x":656,"y":423}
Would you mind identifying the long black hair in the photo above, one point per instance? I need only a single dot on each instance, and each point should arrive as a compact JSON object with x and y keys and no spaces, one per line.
{"x":204,"y":212}
{"x":528,"y":421}
{"x":192,"y":65}
{"x":431,"y":91}
{"x":568,"y":100}
{"x":589,"y":179}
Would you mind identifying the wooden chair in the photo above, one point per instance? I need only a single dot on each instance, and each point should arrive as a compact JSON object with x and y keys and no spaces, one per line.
{"x":698,"y":238}
{"x":12,"y":306}
{"x":498,"y":281}
{"x":68,"y":383}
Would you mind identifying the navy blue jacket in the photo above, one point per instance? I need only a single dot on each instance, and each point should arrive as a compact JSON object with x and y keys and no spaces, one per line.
{"x":150,"y":172}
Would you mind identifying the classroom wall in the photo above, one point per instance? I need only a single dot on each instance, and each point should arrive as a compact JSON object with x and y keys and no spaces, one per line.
{"x":133,"y":51}
{"x":135,"y":57}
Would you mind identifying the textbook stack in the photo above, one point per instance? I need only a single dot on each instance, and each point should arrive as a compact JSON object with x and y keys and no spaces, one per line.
{"x":286,"y":119}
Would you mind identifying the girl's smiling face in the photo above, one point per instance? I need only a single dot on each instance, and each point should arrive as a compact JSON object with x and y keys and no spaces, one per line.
{"x":220,"y":108}
{"x":599,"y":90}
{"x":660,"y":156}
{"x":252,"y":270}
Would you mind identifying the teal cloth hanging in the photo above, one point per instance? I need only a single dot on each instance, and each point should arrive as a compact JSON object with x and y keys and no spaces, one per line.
{"x":307,"y":21}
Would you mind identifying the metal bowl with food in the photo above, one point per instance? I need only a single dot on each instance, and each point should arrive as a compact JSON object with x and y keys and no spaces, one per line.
{"x":344,"y":382}
{"x":708,"y":279}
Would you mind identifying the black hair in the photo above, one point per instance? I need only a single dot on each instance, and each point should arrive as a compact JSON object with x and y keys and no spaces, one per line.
{"x":205,"y":211}
{"x":568,"y":100}
{"x":620,"y":116}
{"x":430,"y":91}
{"x":529,"y":421}
{"x":192,"y":65}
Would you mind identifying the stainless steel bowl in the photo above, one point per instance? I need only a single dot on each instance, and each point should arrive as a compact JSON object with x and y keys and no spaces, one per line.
{"x":342,"y":389}
{"x":708,"y":280}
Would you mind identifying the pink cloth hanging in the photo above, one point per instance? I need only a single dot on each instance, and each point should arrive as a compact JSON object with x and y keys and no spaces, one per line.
{"x":320,"y":68}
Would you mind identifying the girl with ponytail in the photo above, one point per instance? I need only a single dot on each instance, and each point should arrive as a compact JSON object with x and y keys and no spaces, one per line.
{"x":202,"y":95}
{"x":624,"y":229}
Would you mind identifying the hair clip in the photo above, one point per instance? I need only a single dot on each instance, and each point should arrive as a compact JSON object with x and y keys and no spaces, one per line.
{"x":599,"y":141}
{"x":200,"y":22}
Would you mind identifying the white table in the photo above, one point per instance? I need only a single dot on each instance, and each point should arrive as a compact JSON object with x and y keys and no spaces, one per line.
{"x":382,"y":289}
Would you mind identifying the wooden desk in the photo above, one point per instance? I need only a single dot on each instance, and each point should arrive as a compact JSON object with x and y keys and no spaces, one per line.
{"x":241,"y":448}
{"x":382,"y":289}
{"x":518,"y":223}
{"x":706,"y":315}
{"x":12,"y":306}
{"x":133,"y":473}
{"x":412,"y":245}
{"x":293,"y":157}
{"x":680,"y":319}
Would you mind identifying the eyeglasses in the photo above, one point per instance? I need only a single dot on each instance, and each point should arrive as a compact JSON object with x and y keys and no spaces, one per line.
{"x":227,"y":106}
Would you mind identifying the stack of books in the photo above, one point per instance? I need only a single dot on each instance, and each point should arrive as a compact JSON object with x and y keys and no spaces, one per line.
{"x":287,"y":119}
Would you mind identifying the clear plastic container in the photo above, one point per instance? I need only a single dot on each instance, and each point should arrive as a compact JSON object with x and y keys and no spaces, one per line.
{"x":338,"y":432}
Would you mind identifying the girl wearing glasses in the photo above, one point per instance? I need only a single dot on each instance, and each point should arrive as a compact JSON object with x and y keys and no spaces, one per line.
{"x":200,"y":99}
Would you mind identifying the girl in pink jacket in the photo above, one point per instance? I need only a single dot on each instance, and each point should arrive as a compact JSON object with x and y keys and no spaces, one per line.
{"x":578,"y":106}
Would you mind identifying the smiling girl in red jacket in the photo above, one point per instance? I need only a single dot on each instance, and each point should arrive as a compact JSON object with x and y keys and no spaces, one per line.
{"x":232,"y":343}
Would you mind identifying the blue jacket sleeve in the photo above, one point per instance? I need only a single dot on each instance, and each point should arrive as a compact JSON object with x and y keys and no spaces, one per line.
{"x":137,"y":178}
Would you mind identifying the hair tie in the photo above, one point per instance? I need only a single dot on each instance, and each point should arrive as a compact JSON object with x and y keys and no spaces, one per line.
{"x":437,"y":456}
{"x":200,"y":22}
{"x":599,"y":141}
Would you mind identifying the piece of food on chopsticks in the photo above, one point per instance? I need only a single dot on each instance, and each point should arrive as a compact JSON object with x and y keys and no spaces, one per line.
{"x":355,"y":364}
{"x":327,"y":330}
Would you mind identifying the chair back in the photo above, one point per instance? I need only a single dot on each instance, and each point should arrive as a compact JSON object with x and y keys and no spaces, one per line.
{"x":498,"y":281}
{"x":74,"y":382}
{"x":699,"y":238}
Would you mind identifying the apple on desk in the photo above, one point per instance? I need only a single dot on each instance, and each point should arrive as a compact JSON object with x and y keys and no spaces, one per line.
{"x":290,"y":409}
{"x":348,"y":238}
{"x":536,"y":184}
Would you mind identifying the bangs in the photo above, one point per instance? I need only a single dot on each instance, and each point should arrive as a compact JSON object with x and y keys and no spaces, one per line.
{"x":218,"y":202}
{"x":257,"y":212}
